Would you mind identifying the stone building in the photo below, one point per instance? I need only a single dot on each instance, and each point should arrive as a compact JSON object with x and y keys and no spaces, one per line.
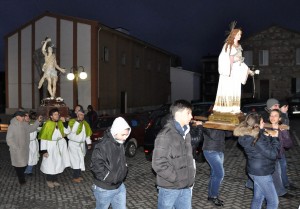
{"x":275,"y":51}
{"x":124,"y":73}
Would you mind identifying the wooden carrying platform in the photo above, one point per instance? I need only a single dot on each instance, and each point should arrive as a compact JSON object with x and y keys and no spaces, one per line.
{"x":3,"y":127}
{"x":222,"y":121}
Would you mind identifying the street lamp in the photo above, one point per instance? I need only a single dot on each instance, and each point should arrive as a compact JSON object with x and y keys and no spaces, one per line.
{"x":75,"y":73}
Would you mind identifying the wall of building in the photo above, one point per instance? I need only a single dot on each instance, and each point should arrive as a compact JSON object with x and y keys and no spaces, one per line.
{"x":185,"y":84}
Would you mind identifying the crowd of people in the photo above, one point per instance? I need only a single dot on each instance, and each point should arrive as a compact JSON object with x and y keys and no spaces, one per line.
{"x":173,"y":159}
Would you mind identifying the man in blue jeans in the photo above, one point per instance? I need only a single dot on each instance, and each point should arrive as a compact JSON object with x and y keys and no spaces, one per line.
{"x":173,"y":159}
{"x":108,"y":165}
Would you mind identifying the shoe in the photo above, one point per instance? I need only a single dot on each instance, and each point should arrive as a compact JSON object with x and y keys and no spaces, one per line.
{"x":29,"y":174}
{"x":81,"y":179}
{"x":216,"y":201}
{"x":55,"y":183}
{"x":76,"y":180}
{"x":291,"y":187}
{"x":288,"y":196}
{"x":50,"y":184}
{"x":22,"y":182}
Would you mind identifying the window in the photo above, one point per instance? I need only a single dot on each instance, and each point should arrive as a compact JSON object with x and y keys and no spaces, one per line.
{"x":298,"y":56}
{"x":106,"y":54}
{"x":248,"y":57}
{"x":137,"y":62}
{"x":123,"y":60}
{"x":263,"y":57}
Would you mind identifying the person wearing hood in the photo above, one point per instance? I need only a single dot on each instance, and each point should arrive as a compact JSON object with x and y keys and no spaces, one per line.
{"x":109,"y":168}
{"x":18,"y":139}
{"x":173,"y":159}
{"x":80,"y":133}
{"x":261,"y":147}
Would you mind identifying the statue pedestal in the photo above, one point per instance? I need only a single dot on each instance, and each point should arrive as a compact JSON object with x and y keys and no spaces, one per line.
{"x":223,"y":121}
{"x":48,"y":104}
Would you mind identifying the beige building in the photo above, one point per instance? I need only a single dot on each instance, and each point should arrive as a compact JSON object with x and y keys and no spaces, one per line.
{"x":124,"y":73}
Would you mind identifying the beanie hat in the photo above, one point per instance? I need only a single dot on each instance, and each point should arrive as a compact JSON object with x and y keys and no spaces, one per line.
{"x":119,"y":125}
{"x":271,"y":102}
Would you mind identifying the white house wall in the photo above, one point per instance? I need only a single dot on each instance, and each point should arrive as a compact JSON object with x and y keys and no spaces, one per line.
{"x":66,"y":61}
{"x":84,"y":59}
{"x":26,"y":67}
{"x":184,"y":84}
{"x":13,"y":71}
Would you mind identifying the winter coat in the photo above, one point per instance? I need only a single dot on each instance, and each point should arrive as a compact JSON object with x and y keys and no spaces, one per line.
{"x":172,"y":158}
{"x":18,"y":139}
{"x":262,"y":155}
{"x":214,"y":140}
{"x":108,"y":163}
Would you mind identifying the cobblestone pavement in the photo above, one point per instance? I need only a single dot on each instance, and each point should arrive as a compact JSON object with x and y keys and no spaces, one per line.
{"x":140,"y":184}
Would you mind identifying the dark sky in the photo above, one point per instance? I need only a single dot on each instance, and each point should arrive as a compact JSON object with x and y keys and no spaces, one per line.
{"x":188,"y":28}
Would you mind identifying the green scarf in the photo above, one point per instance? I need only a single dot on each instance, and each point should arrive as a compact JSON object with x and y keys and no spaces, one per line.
{"x":48,"y":129}
{"x":88,"y":130}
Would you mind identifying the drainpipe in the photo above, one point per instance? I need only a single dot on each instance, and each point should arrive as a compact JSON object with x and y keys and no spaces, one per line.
{"x":98,"y":73}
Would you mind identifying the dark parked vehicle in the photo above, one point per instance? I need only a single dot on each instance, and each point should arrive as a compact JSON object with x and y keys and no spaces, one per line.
{"x":137,"y":123}
{"x":254,"y":107}
{"x":294,"y":105}
{"x":157,"y":123}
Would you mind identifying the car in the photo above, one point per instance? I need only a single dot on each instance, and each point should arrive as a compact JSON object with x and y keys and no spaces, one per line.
{"x":294,"y":105}
{"x":137,"y":122}
{"x":156,"y":124}
{"x":258,"y":107}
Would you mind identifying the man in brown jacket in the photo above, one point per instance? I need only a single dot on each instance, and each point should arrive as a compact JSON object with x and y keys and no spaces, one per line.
{"x":18,"y":139}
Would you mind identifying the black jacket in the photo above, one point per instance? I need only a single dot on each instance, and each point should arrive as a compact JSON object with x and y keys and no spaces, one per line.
{"x":262,"y":155}
{"x":214,"y":139}
{"x":108,"y":163}
{"x":172,"y":158}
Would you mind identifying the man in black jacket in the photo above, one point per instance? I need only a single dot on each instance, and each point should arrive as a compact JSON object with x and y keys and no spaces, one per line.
{"x":173,"y":159}
{"x":108,"y":165}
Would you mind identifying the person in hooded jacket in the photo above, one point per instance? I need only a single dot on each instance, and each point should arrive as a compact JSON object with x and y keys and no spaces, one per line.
{"x":261,"y":147}
{"x":109,"y":168}
{"x":18,"y":139}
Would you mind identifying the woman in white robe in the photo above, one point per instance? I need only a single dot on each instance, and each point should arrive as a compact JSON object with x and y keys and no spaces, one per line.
{"x":233,"y":72}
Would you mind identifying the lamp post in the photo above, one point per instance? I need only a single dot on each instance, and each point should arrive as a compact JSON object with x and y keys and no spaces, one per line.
{"x":75,"y":73}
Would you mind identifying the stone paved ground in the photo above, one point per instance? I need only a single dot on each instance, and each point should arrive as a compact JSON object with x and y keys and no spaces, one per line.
{"x":140,"y":183}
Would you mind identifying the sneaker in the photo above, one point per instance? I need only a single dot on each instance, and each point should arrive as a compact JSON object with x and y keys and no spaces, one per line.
{"x":55,"y":183}
{"x":216,"y":201}
{"x":81,"y":179}
{"x":288,"y":196}
{"x":50,"y":184}
{"x":76,"y":180}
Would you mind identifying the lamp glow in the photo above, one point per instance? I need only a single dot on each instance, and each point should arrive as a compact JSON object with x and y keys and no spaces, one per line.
{"x":83,"y":75}
{"x":70,"y":76}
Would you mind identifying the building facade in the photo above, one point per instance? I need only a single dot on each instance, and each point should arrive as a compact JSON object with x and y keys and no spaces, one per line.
{"x":275,"y":51}
{"x":124,"y":73}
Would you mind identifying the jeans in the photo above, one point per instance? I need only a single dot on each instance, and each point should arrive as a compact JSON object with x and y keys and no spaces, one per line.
{"x":278,"y":183}
{"x":283,"y":166}
{"x":264,"y":188}
{"x":115,"y":197}
{"x":215,"y":160}
{"x":280,"y":189}
{"x":28,"y":169}
{"x":174,"y":198}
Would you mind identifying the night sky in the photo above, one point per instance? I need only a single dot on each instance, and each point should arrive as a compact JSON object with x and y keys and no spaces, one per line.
{"x":190,"y":28}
